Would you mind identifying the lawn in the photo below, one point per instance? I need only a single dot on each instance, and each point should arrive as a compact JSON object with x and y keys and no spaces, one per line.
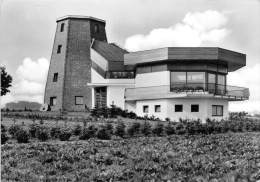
{"x":219,"y":157}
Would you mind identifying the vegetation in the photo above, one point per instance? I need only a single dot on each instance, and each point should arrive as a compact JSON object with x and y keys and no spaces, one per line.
{"x":6,"y":81}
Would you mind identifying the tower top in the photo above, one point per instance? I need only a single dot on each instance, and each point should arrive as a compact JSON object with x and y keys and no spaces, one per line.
{"x":79,"y":17}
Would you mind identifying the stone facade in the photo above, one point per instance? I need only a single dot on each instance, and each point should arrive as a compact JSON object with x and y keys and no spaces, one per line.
{"x":72,"y":63}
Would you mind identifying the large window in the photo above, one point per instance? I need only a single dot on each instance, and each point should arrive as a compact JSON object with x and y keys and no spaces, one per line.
{"x":178,"y":108}
{"x":195,"y":108}
{"x":195,"y":77}
{"x":178,"y":77}
{"x":217,"y":110}
{"x":78,"y":100}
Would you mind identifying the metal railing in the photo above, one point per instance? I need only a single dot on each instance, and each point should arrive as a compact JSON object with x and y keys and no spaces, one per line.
{"x":237,"y":93}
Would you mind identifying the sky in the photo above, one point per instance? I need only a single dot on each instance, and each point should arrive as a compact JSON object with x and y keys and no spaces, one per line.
{"x":27,"y":29}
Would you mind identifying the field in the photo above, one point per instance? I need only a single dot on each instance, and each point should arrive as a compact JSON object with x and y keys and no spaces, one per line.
{"x":219,"y":157}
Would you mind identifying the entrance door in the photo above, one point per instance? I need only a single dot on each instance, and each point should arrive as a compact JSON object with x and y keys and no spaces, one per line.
{"x":100,"y":97}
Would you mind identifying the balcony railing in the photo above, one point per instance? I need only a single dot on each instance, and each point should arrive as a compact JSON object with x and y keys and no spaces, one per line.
{"x":167,"y":91}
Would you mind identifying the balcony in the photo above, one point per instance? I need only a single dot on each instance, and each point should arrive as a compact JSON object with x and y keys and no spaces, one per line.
{"x":192,"y":90}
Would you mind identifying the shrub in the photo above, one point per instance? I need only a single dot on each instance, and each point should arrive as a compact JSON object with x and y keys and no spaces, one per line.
{"x":103,"y":134}
{"x":134,"y":129}
{"x":32,"y":130}
{"x":41,"y":121}
{"x":4,"y":137}
{"x":109,"y":127}
{"x":22,"y":136}
{"x":169,"y":129}
{"x":42,"y":133}
{"x":180,"y":129}
{"x":14,"y":129}
{"x":88,"y":133}
{"x":120,"y":129}
{"x":158,"y":129}
{"x":55,"y":132}
{"x":146,"y":128}
{"x":3,"y":128}
{"x":77,"y":130}
{"x":65,"y":134}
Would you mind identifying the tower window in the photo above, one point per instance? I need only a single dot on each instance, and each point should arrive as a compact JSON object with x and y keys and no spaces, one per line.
{"x":157,"y":108}
{"x":59,"y":49}
{"x":55,"y":77}
{"x":78,"y":100}
{"x":53,"y":101}
{"x":145,"y":109}
{"x":194,"y":108}
{"x":178,"y":108}
{"x":217,"y":110}
{"x":62,"y":27}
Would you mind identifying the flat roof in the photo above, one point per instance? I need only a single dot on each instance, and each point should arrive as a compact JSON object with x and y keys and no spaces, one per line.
{"x":234,"y":60}
{"x":79,"y":17}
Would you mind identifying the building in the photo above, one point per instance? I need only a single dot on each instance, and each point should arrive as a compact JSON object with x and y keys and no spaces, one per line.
{"x":171,"y":82}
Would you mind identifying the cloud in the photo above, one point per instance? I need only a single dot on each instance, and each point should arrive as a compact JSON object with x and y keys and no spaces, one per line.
{"x":194,"y":30}
{"x":29,"y":82}
{"x":247,"y":77}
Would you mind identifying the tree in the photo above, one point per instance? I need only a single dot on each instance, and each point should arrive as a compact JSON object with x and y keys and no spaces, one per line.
{"x":6,"y":81}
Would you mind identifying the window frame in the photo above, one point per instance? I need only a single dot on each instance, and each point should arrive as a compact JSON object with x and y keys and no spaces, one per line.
{"x":175,"y":108}
{"x":216,"y":110}
{"x":62,"y":27}
{"x":196,"y":110}
{"x":55,"y":77}
{"x":59,"y":49}
{"x":79,"y":104}
{"x":52,"y":99}
{"x":145,"y":106}
{"x":157,"y":107}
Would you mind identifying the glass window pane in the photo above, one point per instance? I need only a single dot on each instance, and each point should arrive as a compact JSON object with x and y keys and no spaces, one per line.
{"x":221,"y":79}
{"x":79,"y":100}
{"x":211,"y":78}
{"x":178,"y":77}
{"x":195,"y":77}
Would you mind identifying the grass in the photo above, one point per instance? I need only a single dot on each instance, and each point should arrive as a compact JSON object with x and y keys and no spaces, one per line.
{"x":220,"y":157}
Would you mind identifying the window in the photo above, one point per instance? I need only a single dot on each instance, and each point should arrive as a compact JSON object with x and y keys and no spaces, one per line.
{"x":194,"y":108}
{"x":78,"y":100}
{"x":221,"y":79}
{"x":145,"y":109}
{"x":96,"y":28}
{"x":196,"y":77}
{"x":157,"y":108}
{"x":62,"y":27}
{"x":55,"y":77}
{"x":53,"y":101}
{"x":178,"y":77}
{"x":178,"y":108}
{"x":217,"y":110}
{"x":59,"y":49}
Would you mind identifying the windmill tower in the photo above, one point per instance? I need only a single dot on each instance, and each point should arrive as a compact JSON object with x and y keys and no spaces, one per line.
{"x":70,"y":66}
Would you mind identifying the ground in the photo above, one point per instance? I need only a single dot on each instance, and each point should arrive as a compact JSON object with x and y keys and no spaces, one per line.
{"x":220,"y":157}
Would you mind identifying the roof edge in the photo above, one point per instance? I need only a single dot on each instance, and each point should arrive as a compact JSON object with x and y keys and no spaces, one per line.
{"x":79,"y":17}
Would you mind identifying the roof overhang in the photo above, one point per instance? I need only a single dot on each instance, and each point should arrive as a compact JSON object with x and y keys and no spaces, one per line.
{"x":234,"y":60}
{"x":80,"y":17}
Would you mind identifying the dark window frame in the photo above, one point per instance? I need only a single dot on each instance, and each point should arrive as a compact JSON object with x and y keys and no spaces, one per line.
{"x":55,"y":77}
{"x":76,"y":100}
{"x":157,"y":107}
{"x":144,"y":109}
{"x":194,"y":108}
{"x":52,"y":99}
{"x":59,"y":49}
{"x":180,"y":109}
{"x":62,"y":27}
{"x":215,"y":110}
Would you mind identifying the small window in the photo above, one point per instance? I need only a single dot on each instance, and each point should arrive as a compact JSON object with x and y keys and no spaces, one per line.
{"x":53,"y":101}
{"x":59,"y":49}
{"x":96,"y":28}
{"x":55,"y":77}
{"x":62,"y":27}
{"x":194,"y":108}
{"x":157,"y":108}
{"x":217,"y":110}
{"x":78,"y":100}
{"x":145,"y":109}
{"x":178,"y":108}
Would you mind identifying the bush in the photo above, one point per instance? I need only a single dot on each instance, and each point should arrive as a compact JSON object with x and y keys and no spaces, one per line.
{"x":180,"y":129}
{"x":22,"y":136}
{"x":109,"y":127}
{"x":103,"y":134}
{"x":77,"y":130}
{"x":3,"y":128}
{"x":55,"y":132}
{"x":42,"y":133}
{"x":88,"y":133}
{"x":4,"y":137}
{"x":65,"y":134}
{"x":146,"y":128}
{"x":169,"y":129}
{"x":14,"y":129}
{"x":134,"y":129}
{"x":158,"y":129}
{"x":120,"y":129}
{"x":32,"y":130}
